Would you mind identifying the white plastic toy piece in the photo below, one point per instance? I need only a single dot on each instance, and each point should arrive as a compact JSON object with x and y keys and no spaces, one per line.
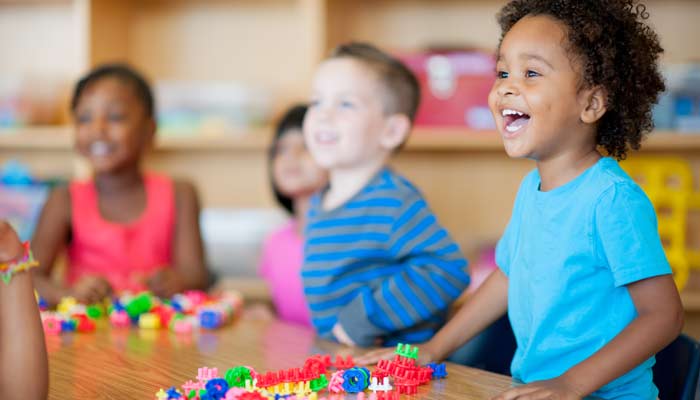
{"x":385,"y":386}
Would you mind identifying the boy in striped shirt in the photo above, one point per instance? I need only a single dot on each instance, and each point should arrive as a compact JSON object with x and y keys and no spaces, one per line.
{"x":378,"y":268}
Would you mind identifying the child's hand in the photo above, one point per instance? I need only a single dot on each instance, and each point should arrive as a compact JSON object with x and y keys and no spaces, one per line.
{"x":91,"y":289}
{"x":166,"y":283}
{"x":425,"y":355}
{"x":10,"y":246}
{"x":557,"y":388}
{"x":341,"y":335}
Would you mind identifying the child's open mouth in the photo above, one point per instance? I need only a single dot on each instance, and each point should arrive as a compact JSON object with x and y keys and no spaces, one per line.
{"x":514,"y":120}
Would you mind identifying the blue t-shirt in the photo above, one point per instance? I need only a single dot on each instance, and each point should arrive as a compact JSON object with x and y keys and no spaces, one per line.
{"x":568,"y":254}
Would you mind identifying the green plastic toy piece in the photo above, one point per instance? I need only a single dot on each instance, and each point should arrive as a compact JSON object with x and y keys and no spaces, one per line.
{"x":405,"y":350}
{"x":94,"y":311}
{"x":319,"y":383}
{"x":192,"y":394}
{"x":236,"y":377}
{"x":138,"y":305}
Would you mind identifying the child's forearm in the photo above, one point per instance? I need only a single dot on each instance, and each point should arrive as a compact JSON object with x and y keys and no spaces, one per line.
{"x":49,"y":291}
{"x":24,"y":373}
{"x":485,"y":306}
{"x":659,"y":321}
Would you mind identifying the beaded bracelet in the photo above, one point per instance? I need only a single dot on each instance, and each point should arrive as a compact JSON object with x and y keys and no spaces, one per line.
{"x":26,"y":262}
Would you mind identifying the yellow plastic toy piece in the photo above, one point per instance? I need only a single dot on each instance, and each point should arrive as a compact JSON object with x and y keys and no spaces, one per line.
{"x":668,"y":182}
{"x":149,"y":321}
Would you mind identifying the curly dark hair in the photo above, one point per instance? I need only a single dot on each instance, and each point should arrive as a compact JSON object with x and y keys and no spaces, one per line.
{"x":123,"y":72}
{"x":617,"y":51}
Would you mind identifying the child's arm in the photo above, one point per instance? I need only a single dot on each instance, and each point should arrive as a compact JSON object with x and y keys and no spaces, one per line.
{"x":659,"y":321}
{"x":23,"y":362}
{"x":430,"y":274}
{"x":50,"y":237}
{"x":486,"y":305}
{"x":188,"y":270}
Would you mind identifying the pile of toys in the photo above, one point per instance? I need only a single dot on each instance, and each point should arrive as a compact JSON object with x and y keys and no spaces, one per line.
{"x":182,"y":314}
{"x":388,"y":381}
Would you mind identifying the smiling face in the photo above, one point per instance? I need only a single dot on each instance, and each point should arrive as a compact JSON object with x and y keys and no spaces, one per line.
{"x":112,"y":127}
{"x":294,"y":171}
{"x":346,"y":120}
{"x":537,"y":99}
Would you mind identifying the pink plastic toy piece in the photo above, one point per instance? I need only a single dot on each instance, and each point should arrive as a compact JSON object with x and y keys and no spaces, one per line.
{"x":335,"y":384}
{"x":52,"y":325}
{"x":204,"y":374}
{"x":182,"y":326}
{"x":189,"y":386}
{"x":119,"y":319}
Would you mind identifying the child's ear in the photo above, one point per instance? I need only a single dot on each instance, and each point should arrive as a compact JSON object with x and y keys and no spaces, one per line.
{"x":595,"y":105}
{"x":396,"y":131}
{"x":149,"y":133}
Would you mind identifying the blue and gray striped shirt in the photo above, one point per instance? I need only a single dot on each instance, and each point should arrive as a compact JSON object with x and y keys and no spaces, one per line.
{"x":381,"y":265}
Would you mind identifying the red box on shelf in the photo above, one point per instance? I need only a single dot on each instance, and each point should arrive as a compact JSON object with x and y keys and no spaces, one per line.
{"x":454,"y":88}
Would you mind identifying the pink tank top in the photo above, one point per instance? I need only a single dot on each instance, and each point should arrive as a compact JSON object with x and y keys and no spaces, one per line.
{"x":124,"y":254}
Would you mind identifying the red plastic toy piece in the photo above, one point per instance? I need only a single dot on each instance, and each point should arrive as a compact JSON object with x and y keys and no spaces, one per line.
{"x":344,"y":364}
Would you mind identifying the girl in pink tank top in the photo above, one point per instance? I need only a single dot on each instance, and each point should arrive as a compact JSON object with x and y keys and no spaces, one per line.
{"x":124,"y":229}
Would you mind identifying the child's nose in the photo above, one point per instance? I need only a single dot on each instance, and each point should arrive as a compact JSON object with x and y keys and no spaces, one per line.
{"x":507,"y":87}
{"x":99,"y":127}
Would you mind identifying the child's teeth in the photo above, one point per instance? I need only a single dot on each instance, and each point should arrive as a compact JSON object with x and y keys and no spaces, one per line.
{"x":99,"y":148}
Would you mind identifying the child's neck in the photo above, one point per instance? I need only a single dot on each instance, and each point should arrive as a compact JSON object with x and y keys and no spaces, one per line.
{"x":561,"y":169}
{"x":347,"y":182}
{"x":301,"y":208}
{"x":117,"y":182}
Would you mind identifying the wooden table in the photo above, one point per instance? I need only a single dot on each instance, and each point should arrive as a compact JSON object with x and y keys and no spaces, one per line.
{"x":134,"y":364}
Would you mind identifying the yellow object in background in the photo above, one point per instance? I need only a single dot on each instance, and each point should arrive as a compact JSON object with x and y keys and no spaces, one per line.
{"x":668,"y":182}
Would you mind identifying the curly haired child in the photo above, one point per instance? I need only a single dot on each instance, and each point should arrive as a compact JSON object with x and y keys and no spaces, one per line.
{"x":583,"y":275}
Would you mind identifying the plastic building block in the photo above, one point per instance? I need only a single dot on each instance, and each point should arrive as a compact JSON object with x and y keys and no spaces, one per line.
{"x":405,"y":350}
{"x":217,"y":388}
{"x":204,"y":374}
{"x":439,"y":370}
{"x":335,"y":385}
{"x":376,"y":386}
{"x":210,"y":319}
{"x":161,"y":395}
{"x":119,"y":319}
{"x":149,"y":321}
{"x":84,"y":324}
{"x":236,"y":377}
{"x":94,"y":311}
{"x":356,"y":379}
{"x":138,"y":305}
{"x":344,"y":364}
{"x":319,"y":383}
{"x":52,"y":325}
{"x":68,"y":326}
{"x":173,"y":393}
{"x":66,"y":305}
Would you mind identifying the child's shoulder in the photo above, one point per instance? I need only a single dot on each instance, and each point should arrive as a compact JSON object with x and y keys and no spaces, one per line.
{"x":610,"y":177}
{"x":395,"y":184}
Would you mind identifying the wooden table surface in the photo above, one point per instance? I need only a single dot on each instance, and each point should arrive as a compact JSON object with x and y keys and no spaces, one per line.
{"x":134,"y":364}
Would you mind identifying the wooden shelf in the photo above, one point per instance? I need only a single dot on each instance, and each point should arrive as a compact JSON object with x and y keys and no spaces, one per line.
{"x":422,"y":139}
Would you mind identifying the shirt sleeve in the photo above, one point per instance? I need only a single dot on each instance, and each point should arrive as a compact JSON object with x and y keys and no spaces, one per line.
{"x":431,"y":272}
{"x":627,"y":235}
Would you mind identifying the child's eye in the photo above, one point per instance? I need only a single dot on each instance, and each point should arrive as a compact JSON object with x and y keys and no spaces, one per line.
{"x":83,"y":118}
{"x":501,"y":74}
{"x":531,"y":74}
{"x":346,"y":104}
{"x":117,"y":117}
{"x":313,"y":103}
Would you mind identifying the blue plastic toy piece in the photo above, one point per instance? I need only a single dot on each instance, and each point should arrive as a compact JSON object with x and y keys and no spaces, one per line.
{"x":210,"y":319}
{"x":356,"y":379}
{"x":439,"y":370}
{"x":217,"y":388}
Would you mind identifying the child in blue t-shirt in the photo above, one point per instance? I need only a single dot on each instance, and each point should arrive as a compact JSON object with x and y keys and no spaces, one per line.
{"x":582,"y":271}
